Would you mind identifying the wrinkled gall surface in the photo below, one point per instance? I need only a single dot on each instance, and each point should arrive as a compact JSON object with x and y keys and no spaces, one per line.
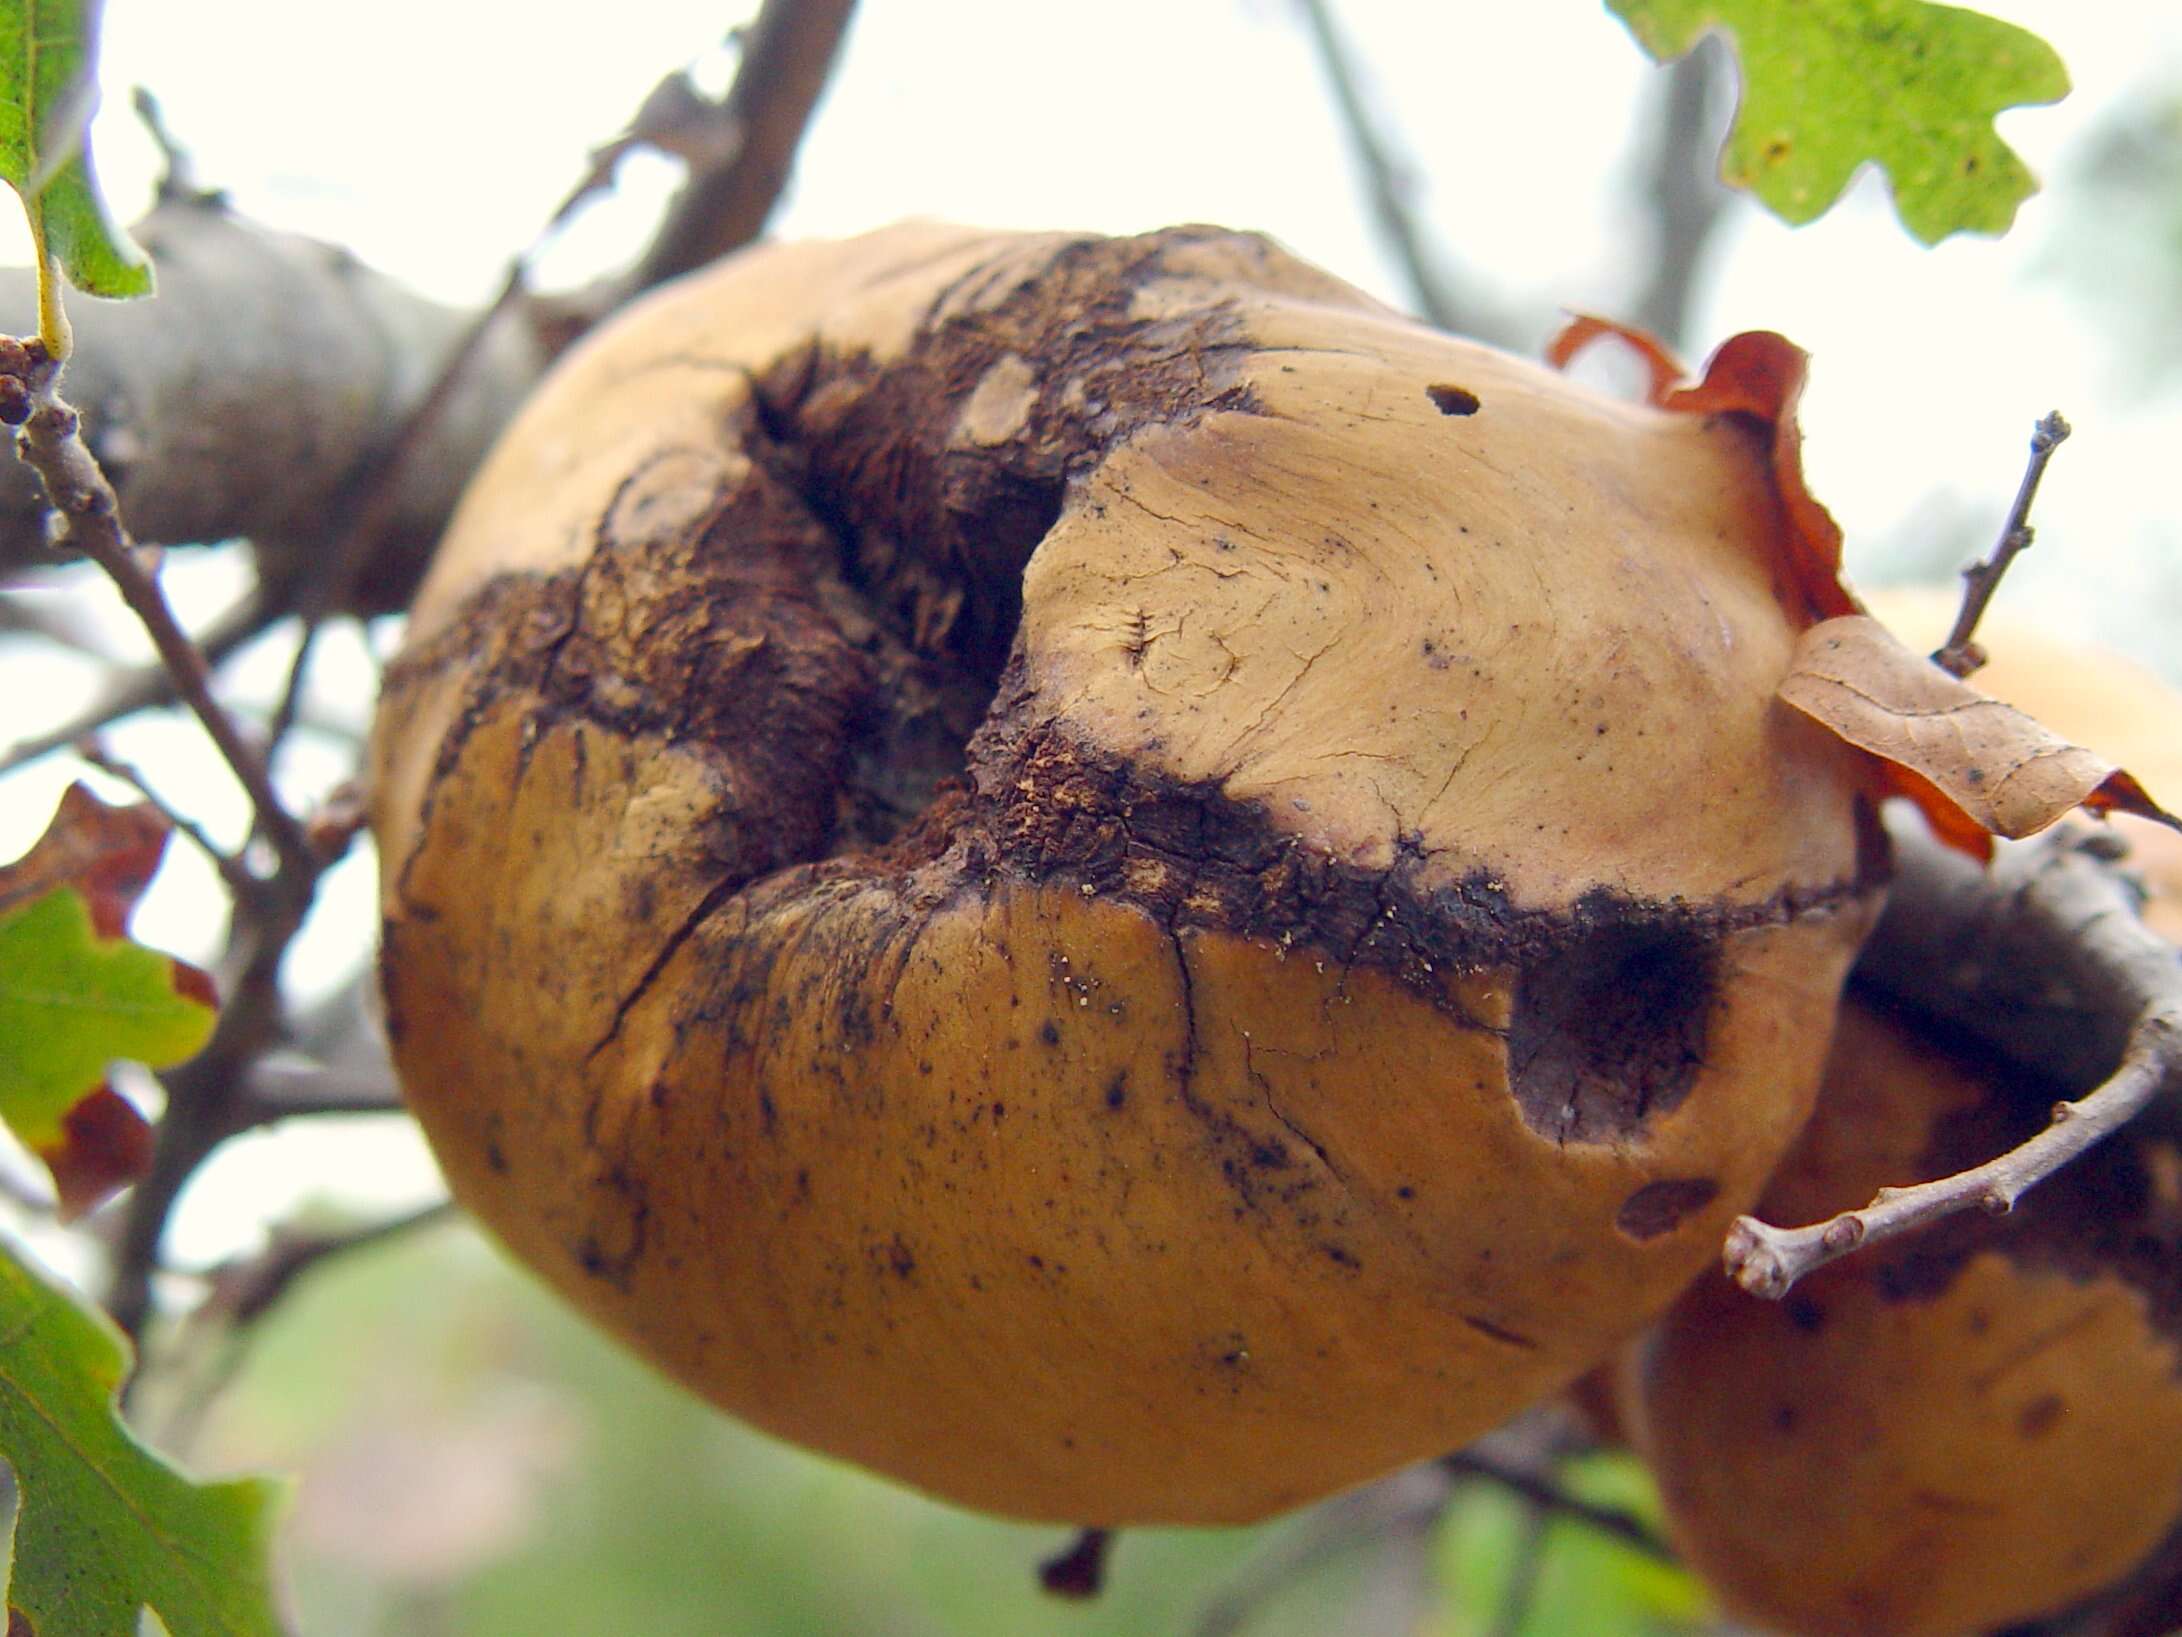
{"x":1101,"y":876}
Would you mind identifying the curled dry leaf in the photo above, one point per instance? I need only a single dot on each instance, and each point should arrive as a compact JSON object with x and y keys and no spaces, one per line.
{"x":2004,"y":770}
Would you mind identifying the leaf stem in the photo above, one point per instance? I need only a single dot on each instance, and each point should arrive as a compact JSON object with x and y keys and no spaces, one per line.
{"x":54,"y":330}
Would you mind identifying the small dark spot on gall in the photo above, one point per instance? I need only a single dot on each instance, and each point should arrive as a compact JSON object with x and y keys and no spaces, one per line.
{"x":1341,"y":1256}
{"x":1405,"y":1192}
{"x":658,"y":1094}
{"x":1659,"y":1207}
{"x":1453,"y":400}
{"x":1784,"y":1418}
{"x":766,"y":1112}
{"x":1805,"y":1314}
{"x":1975,"y":775}
{"x":1000,"y":1112}
{"x":495,"y":1158}
{"x":1117,"y":1092}
{"x":2041,"y":1415}
{"x":1049,"y":1032}
{"x":1499,"y":1332}
{"x":901,"y":1258}
{"x":1036,"y":1261}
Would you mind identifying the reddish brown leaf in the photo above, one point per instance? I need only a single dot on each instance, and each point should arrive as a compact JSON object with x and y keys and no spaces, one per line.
{"x":107,"y":853}
{"x":1584,"y":328}
{"x":1761,"y":375}
{"x":1994,"y":766}
{"x":105,"y":1146}
{"x":1757,"y":375}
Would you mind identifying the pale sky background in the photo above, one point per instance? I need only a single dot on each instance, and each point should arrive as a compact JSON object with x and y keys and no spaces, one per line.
{"x":434,"y":138}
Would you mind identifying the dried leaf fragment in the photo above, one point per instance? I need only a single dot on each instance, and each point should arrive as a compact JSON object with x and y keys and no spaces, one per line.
{"x":2002,"y":769}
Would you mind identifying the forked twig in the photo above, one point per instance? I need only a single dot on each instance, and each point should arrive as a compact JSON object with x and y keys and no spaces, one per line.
{"x":233,"y":871}
{"x":1959,"y":655}
{"x":1410,"y":1502}
{"x":1551,"y":1499}
{"x":153,"y":686}
{"x":1078,"y":1571}
{"x":1384,"y":177}
{"x":88,"y":520}
{"x":2032,"y":954}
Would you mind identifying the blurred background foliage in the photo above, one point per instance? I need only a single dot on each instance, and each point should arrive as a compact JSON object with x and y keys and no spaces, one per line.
{"x":473,"y":1461}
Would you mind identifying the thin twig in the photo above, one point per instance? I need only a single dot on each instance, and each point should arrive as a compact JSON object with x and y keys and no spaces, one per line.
{"x":788,"y":53}
{"x":1078,"y":1571}
{"x":153,"y":687}
{"x":88,"y":521}
{"x":2055,"y":894}
{"x":178,"y":175}
{"x":1550,"y":1497}
{"x":671,"y":115}
{"x":1686,"y":198}
{"x":1959,"y":655}
{"x":1767,"y":1261}
{"x":1385,"y":179}
{"x":245,"y":1291}
{"x":61,"y":626}
{"x":1409,"y":1502}
{"x":275,"y":1091}
{"x":240,"y":881}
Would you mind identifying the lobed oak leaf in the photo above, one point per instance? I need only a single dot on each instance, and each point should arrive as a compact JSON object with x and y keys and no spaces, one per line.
{"x":105,"y":1528}
{"x":75,"y":994}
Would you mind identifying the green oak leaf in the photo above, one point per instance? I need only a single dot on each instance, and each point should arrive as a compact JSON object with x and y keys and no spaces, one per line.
{"x":1829,"y":85}
{"x":48,"y":81}
{"x":104,"y":1527}
{"x":71,"y":1002}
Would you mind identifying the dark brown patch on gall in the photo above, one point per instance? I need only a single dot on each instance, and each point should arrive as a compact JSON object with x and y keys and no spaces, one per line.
{"x":2041,"y":1415}
{"x":822,"y":626}
{"x":1613,"y":997}
{"x":936,"y":524}
{"x":1453,"y":400}
{"x":1610,"y":1027}
{"x":1660,"y":1207}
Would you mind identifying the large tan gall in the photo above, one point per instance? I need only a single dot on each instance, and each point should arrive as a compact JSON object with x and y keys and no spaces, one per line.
{"x":1101,"y":876}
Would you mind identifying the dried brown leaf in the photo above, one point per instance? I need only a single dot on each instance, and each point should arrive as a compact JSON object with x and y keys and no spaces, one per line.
{"x":107,"y":853}
{"x":1994,"y":765}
